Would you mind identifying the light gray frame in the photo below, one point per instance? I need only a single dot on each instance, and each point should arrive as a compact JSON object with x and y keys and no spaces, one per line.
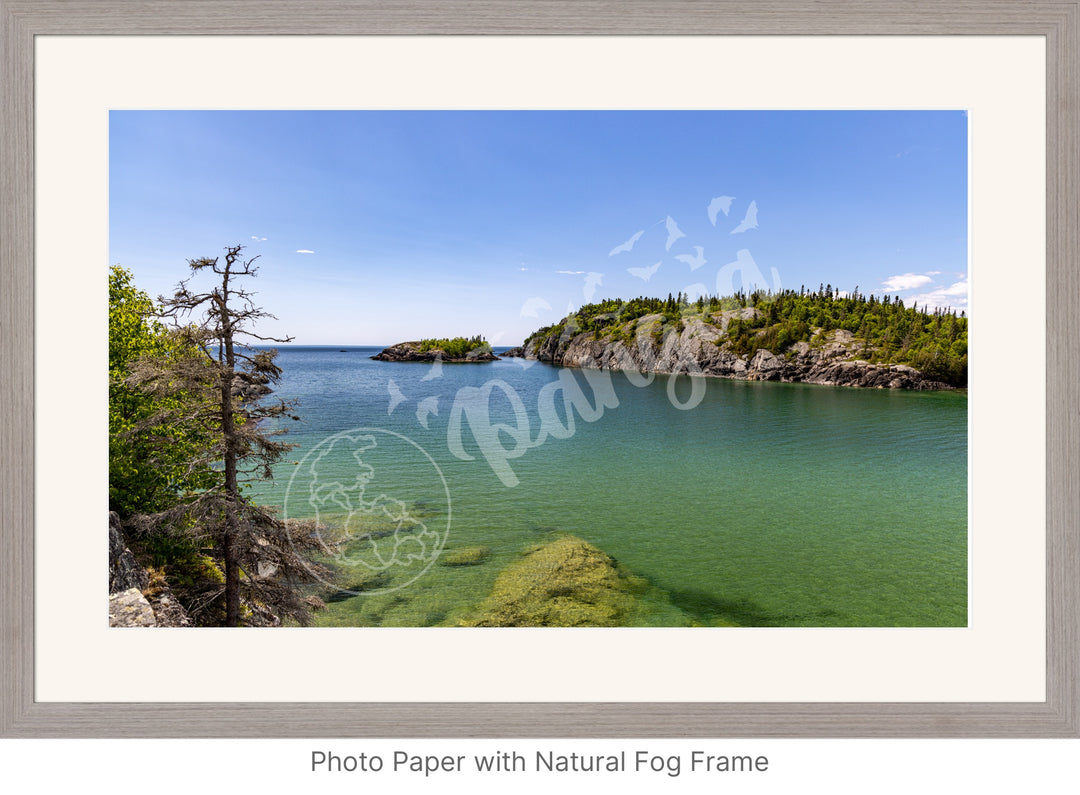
{"x":22,"y":20}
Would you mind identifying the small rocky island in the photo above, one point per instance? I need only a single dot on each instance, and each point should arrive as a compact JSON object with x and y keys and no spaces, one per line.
{"x":456,"y":350}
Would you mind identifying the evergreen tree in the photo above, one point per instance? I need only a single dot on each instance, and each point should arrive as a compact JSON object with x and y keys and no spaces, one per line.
{"x":884,"y":330}
{"x":263,"y":558}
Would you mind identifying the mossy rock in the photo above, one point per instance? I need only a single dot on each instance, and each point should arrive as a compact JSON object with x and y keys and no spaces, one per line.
{"x":565,"y":583}
{"x":468,"y":556}
{"x":369,"y":581}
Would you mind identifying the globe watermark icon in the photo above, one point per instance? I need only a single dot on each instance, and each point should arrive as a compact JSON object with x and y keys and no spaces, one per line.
{"x":381,"y":508}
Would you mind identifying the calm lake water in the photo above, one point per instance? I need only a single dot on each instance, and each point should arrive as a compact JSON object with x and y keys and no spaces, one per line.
{"x":757,"y":504}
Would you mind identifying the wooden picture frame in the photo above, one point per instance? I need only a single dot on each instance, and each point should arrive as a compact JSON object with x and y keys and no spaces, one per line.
{"x":22,"y":716}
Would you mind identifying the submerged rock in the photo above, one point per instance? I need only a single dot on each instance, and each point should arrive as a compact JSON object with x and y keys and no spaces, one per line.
{"x":468,"y":556}
{"x":565,"y":583}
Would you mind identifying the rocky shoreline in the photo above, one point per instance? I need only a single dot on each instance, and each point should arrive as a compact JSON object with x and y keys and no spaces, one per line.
{"x":699,"y":349}
{"x":410,"y":352}
{"x":133,"y":600}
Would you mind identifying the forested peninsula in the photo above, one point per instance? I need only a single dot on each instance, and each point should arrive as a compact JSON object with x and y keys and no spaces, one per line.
{"x":817,"y":337}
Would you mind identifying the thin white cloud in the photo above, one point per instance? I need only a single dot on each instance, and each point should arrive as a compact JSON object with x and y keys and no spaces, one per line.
{"x":256,"y":237}
{"x":304,"y":251}
{"x":906,"y":281}
{"x":955,"y":296}
{"x":572,"y":273}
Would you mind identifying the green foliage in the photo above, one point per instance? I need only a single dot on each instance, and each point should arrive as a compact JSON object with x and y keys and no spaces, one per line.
{"x":884,"y":330}
{"x":150,"y":464}
{"x":458,"y":347}
{"x":207,"y":388}
{"x":187,"y":569}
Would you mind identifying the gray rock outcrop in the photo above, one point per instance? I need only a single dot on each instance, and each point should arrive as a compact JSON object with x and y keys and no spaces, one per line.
{"x":129,"y":606}
{"x":130,"y":609}
{"x":700,"y":348}
{"x":124,"y":571}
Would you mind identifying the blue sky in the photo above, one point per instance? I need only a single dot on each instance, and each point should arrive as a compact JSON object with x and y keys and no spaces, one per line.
{"x":377,"y":226}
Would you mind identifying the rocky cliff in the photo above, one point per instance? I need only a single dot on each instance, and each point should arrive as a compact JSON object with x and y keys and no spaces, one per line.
{"x":699,"y":348}
{"x":124,"y":571}
{"x":134,"y":601}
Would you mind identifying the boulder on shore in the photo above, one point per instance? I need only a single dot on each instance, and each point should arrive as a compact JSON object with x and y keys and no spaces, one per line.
{"x":130,"y":609}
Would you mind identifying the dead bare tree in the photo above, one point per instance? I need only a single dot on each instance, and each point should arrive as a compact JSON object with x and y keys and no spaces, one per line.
{"x":226,"y":393}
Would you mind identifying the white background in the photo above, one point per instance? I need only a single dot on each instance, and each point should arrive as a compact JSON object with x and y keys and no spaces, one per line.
{"x":998,"y":657}
{"x":896,"y":767}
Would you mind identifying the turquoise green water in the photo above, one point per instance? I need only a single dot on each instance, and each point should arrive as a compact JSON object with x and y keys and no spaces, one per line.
{"x":763,"y":505}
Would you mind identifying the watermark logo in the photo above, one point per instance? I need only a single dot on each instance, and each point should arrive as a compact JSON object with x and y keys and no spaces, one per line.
{"x":381,"y":506}
{"x":493,"y":420}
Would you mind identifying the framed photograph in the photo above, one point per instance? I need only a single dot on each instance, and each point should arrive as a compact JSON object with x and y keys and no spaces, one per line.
{"x":678,"y":370}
